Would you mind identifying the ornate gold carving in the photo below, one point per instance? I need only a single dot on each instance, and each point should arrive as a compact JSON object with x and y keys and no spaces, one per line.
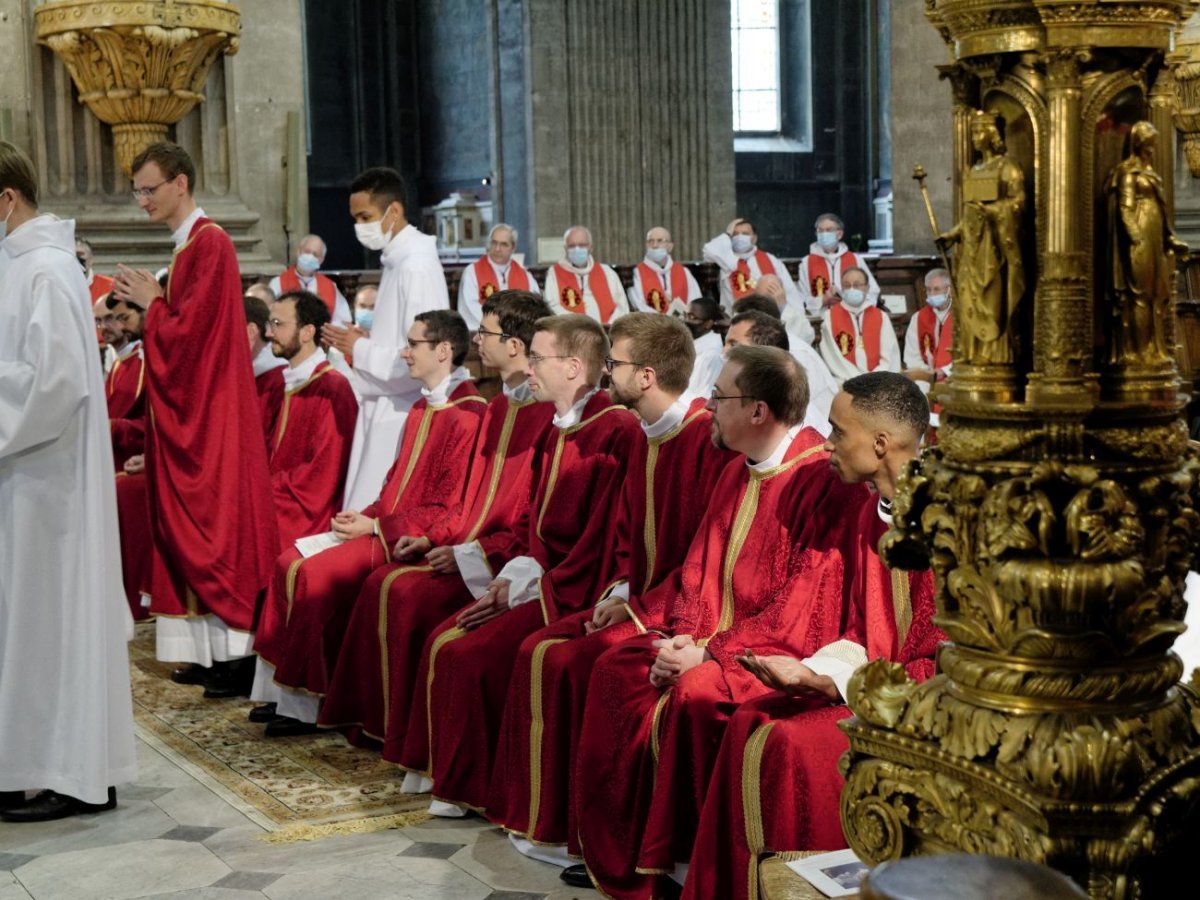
{"x":139,"y":65}
{"x":1185,"y":63}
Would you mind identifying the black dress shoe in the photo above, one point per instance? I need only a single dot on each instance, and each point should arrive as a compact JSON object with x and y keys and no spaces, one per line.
{"x":11,"y":799}
{"x":50,"y":805}
{"x":230,"y":679}
{"x":285,"y":726}
{"x":190,"y":674}
{"x":577,"y":876}
{"x":263,"y":714}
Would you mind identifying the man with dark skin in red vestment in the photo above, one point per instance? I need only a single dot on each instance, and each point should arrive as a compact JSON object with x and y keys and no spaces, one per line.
{"x":767,"y":571}
{"x":211,"y":514}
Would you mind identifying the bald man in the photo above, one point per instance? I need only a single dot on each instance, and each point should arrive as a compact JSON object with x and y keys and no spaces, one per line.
{"x":660,"y":285}
{"x":305,"y":275}
{"x":578,"y":284}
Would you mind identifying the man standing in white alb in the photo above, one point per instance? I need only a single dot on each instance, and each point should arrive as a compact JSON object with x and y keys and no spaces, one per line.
{"x":496,"y":270}
{"x":66,"y":720}
{"x":413,"y":282}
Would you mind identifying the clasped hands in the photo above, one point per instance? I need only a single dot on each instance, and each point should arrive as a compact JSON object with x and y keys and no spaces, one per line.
{"x":350,"y":523}
{"x":676,"y":656}
{"x":441,"y":559}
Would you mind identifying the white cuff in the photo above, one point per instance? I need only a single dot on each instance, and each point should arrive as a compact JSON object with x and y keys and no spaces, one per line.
{"x":524,"y":574}
{"x":619,"y":592}
{"x":839,"y":661}
{"x":473,"y":567}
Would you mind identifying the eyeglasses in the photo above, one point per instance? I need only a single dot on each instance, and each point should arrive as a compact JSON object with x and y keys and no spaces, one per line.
{"x":277,"y":323}
{"x":409,"y":344}
{"x":499,"y":334}
{"x":611,"y":364}
{"x":147,"y":193}
{"x":536,"y":359}
{"x":717,"y":398}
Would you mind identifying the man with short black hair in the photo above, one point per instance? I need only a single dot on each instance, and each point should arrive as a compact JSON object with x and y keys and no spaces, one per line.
{"x":412,"y":282}
{"x":214,"y":526}
{"x":66,"y":725}
{"x":704,"y":315}
{"x":123,"y":387}
{"x":268,"y":368}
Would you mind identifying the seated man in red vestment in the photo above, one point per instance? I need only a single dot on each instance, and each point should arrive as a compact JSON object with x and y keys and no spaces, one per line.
{"x":126,"y":380}
{"x":268,"y":368}
{"x":776,"y":782}
{"x":449,"y":565}
{"x":766,"y":571}
{"x":564,"y":566}
{"x":209,"y":491}
{"x":310,"y":448}
{"x":671,"y":475}
{"x":308,"y":605}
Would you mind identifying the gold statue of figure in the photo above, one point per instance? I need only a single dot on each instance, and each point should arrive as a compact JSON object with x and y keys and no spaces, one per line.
{"x":1142,"y":253}
{"x":989,"y":269}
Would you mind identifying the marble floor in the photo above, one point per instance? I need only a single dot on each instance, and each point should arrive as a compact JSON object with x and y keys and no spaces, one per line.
{"x":170,"y":836}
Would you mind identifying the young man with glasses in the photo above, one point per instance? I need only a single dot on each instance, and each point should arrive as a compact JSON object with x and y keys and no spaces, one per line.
{"x":452,"y":563}
{"x":671,"y":474}
{"x":766,"y":570}
{"x":310,"y":599}
{"x":211,"y":515}
{"x":562,"y":564}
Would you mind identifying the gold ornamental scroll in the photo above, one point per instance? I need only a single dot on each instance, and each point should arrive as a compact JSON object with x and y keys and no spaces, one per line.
{"x":139,"y":65}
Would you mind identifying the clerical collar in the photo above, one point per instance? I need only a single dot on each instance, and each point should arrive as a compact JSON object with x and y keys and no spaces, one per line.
{"x":885,"y":509}
{"x":518,"y":394}
{"x":671,"y":417}
{"x":265,"y":361}
{"x":128,"y":350}
{"x":440,"y":394}
{"x":777,"y":455}
{"x":181,"y":233}
{"x":575,"y":413}
{"x":294,"y":376}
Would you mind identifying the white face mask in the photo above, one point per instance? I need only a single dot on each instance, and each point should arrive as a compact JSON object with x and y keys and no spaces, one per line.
{"x":853,"y":297}
{"x":937,"y":301}
{"x":371,"y":234}
{"x":741,"y":243}
{"x":307,"y":263}
{"x":827,"y":239}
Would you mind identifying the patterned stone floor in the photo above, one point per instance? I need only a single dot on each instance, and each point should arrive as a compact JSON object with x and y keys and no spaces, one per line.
{"x":170,"y":836}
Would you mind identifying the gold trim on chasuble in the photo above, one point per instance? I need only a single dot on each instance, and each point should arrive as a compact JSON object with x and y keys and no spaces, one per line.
{"x":649,"y":528}
{"x":384,"y":589}
{"x":752,"y":800}
{"x":292,"y":573}
{"x":287,"y":402}
{"x":180,"y":249}
{"x":902,"y":605}
{"x":510,"y":420}
{"x":537,"y":727}
{"x":442,"y":639}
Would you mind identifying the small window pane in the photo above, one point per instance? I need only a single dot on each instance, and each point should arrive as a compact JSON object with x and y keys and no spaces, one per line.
{"x":757,"y":57}
{"x":754,"y":34}
{"x":757,"y":111}
{"x":755,"y":13}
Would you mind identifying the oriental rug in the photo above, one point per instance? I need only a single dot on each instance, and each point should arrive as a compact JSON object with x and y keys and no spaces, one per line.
{"x":296,"y":788}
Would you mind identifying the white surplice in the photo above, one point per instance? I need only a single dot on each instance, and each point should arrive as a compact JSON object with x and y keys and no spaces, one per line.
{"x":413,"y":282}
{"x":66,"y":720}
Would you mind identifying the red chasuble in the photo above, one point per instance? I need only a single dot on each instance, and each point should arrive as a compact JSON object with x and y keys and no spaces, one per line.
{"x":211,"y":514}
{"x":270,"y":400}
{"x":309,"y":602}
{"x":658,"y":297}
{"x":310,"y":451}
{"x":401,"y":603}
{"x":485,"y":277}
{"x":776,"y":784}
{"x":935,"y":342}
{"x":137,"y":546}
{"x":770,"y":570}
{"x":842,"y":325}
{"x":740,"y":278}
{"x":454,"y":725}
{"x":325,"y":289}
{"x":819,"y":275}
{"x":101,"y":286}
{"x":570,"y":290}
{"x":665,"y":495}
{"x":124,"y":391}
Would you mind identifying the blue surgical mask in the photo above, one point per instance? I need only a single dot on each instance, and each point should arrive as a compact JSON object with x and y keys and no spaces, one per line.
{"x":853,"y":297}
{"x":308,"y":263}
{"x":364,"y":318}
{"x":578,"y":256}
{"x":742,"y":243}
{"x":657,"y":254}
{"x":827,"y":239}
{"x":937,"y":301}
{"x":4,"y":223}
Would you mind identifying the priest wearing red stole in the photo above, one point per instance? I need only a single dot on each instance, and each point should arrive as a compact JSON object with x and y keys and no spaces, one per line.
{"x":768,"y":571}
{"x":856,"y":335}
{"x":437,"y":572}
{"x":671,"y":475}
{"x":776,"y":783}
{"x":211,"y":514}
{"x":493,"y":272}
{"x":742,"y":263}
{"x":308,"y":606}
{"x":930,"y":335}
{"x":828,"y":260}
{"x":660,"y":284}
{"x":563,"y":566}
{"x":124,"y":386}
{"x":580,"y":285}
{"x":268,"y":368}
{"x":305,"y":275}
{"x":310,"y":448}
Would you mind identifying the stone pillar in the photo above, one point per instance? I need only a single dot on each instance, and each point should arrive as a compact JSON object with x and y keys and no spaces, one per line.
{"x":630,"y":122}
{"x":921,"y":118}
{"x":16,"y":54}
